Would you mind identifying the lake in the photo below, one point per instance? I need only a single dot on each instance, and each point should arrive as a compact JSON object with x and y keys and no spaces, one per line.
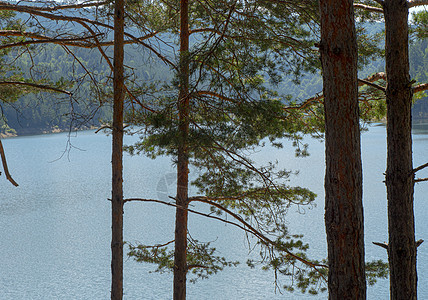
{"x":55,"y":227}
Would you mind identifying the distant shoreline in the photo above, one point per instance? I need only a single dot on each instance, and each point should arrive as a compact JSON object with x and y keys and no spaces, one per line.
{"x":32,"y":132}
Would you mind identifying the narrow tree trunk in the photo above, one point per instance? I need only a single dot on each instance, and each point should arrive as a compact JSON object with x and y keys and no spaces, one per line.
{"x":180,"y":261}
{"x":399,"y":177}
{"x":117,"y":144}
{"x":343,"y":177}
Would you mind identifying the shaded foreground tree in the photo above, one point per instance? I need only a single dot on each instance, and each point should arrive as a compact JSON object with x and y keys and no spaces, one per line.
{"x":343,"y":177}
{"x":400,"y":175}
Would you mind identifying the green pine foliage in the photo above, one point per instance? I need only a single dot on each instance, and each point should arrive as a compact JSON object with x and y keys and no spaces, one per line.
{"x":238,"y":53}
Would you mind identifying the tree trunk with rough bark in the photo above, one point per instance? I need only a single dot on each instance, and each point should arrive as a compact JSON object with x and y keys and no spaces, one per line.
{"x":117,"y":148}
{"x":399,"y":173}
{"x":343,"y":177}
{"x":180,"y":254}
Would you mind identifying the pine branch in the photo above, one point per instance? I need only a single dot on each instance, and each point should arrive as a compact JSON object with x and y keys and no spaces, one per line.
{"x":35,"y":85}
{"x":70,"y":6}
{"x":47,"y":40}
{"x":188,"y":209}
{"x":5,"y":168}
{"x":64,"y":41}
{"x":214,"y":94}
{"x":258,"y":234}
{"x":83,"y":22}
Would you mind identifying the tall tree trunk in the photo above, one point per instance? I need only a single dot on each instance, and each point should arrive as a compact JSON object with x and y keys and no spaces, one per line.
{"x":180,"y":262}
{"x":399,"y":175}
{"x":117,"y":148}
{"x":343,"y":177}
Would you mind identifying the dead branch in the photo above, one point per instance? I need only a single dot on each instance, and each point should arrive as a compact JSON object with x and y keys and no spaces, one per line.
{"x":420,"y":88}
{"x":377,"y":76}
{"x":5,"y":168}
{"x":421,"y":179}
{"x":368,"y":8}
{"x":376,"y":86}
{"x":35,"y":85}
{"x":383,"y":245}
{"x":413,"y":3}
{"x":419,"y":168}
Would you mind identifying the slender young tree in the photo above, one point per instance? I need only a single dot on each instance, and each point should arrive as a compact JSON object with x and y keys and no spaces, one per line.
{"x":343,"y":177}
{"x":224,"y":109}
{"x":180,"y":254}
{"x":117,"y":155}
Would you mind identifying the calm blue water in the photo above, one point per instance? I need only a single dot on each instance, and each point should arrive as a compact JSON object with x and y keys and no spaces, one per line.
{"x":55,"y":227}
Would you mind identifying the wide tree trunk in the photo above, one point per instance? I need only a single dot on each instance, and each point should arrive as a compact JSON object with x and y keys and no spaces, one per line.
{"x":343,"y":177}
{"x":180,"y":261}
{"x":117,"y":167}
{"x":399,"y":175}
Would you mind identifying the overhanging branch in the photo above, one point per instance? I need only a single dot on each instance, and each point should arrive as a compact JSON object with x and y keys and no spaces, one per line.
{"x":5,"y":168}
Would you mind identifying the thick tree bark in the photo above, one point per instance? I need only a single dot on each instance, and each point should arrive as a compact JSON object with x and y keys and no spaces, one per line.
{"x":117,"y":148}
{"x":180,"y":261}
{"x":343,"y":177}
{"x":399,"y":175}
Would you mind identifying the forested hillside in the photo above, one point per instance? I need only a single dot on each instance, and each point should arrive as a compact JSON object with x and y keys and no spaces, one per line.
{"x":90,"y":103}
